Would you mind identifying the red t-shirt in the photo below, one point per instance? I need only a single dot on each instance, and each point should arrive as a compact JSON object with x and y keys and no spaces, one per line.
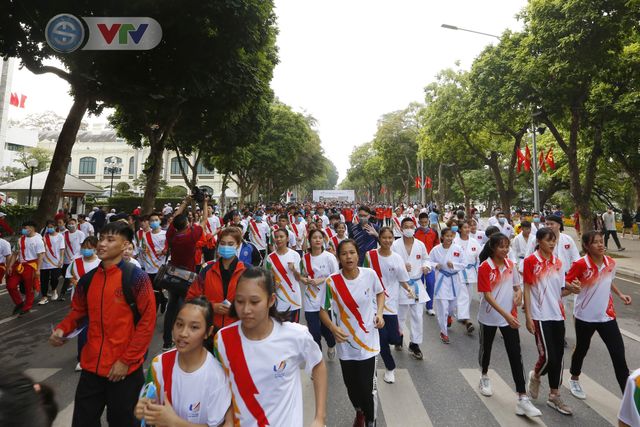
{"x":348,"y":214}
{"x":380,"y":213}
{"x":183,"y":246}
{"x":429,"y":238}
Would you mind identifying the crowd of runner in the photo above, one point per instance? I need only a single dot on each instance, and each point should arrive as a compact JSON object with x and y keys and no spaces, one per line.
{"x":232,"y":291}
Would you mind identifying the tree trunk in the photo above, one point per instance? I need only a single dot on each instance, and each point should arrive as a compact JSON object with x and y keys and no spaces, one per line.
{"x":223,"y":197}
{"x":504,"y":194}
{"x":152,"y":169}
{"x":441,"y":186}
{"x":52,"y":191}
{"x":465,"y":190}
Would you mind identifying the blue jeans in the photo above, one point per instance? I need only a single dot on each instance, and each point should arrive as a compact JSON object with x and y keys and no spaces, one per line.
{"x":318,"y":330}
{"x":430,"y":281}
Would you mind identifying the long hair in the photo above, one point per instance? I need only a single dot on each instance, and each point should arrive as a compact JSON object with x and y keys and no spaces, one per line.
{"x":202,"y":302}
{"x":588,"y":238}
{"x":267,"y":284}
{"x":542,"y":234}
{"x":489,"y":249}
{"x":311,"y":233}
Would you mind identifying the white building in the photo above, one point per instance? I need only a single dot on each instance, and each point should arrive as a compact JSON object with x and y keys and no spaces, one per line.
{"x":94,"y":150}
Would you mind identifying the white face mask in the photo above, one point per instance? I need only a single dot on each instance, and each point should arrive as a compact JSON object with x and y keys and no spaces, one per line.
{"x":408,"y":232}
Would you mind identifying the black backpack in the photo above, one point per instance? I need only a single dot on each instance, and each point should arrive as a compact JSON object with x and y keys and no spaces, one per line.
{"x":127,"y":273}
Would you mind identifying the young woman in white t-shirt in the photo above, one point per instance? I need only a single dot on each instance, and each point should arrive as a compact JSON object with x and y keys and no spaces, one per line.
{"x":544,"y":288}
{"x":284,"y":263}
{"x":316,"y":266}
{"x":356,"y":297}
{"x":191,"y":387}
{"x":262,"y":355}
{"x":500,"y":296}
{"x":594,"y":311}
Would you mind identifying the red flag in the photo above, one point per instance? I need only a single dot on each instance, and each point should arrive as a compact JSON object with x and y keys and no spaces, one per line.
{"x":13,"y":100}
{"x":418,"y":181}
{"x":429,"y":183}
{"x":23,"y":98}
{"x":549,"y":159}
{"x":383,"y":189}
{"x":527,"y":159}
{"x":521,"y":159}
{"x":541,"y":162}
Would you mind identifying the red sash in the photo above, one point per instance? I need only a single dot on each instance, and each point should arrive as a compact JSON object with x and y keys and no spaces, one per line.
{"x":329,"y":232}
{"x":335,"y":241}
{"x":168,"y":360}
{"x":307,"y":264}
{"x":47,"y":240}
{"x":140,"y":235}
{"x":375,"y":264}
{"x":254,"y":228}
{"x":23,"y":248}
{"x":397,"y":222}
{"x":149,"y":239}
{"x":80,"y":267}
{"x":68,"y":241}
{"x":278,"y":265}
{"x":347,"y":298}
{"x":241,"y":374}
{"x":295,"y":229}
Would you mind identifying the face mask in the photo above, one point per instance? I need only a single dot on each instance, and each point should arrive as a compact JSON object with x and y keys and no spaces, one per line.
{"x":502,"y":220}
{"x":51,"y":230}
{"x":227,"y":252}
{"x":536,"y":220}
{"x":362,"y":221}
{"x":454,"y":228}
{"x":24,"y":232}
{"x":61,"y":228}
{"x":409,"y":232}
{"x":154,"y":225}
{"x":71,"y":228}
{"x":87,"y":253}
{"x":258,"y":218}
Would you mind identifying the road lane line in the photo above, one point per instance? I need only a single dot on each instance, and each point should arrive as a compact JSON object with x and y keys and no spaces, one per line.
{"x":630,"y":335}
{"x":38,"y":375}
{"x":15,"y":316}
{"x":22,"y":325}
{"x":400,"y":402}
{"x":626,"y":280}
{"x":601,"y":400}
{"x":502,"y":404}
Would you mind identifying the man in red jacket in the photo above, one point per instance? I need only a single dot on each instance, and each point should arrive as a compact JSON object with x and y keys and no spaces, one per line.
{"x":116,"y":343}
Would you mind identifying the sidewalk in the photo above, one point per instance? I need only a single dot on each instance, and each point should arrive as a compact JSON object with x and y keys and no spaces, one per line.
{"x":628,"y":261}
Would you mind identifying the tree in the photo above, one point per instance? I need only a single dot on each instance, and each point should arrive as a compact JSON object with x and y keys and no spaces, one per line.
{"x":12,"y":173}
{"x":44,"y":121}
{"x":122,"y":188}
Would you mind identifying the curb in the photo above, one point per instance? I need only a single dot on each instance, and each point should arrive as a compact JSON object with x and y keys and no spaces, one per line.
{"x":632,"y":274}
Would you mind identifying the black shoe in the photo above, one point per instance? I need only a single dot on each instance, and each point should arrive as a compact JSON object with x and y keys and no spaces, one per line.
{"x":60,"y":299}
{"x":621,"y":249}
{"x":23,"y":312}
{"x":17,"y":309}
{"x":163,"y":306}
{"x":415,"y":351}
{"x":470,"y":327}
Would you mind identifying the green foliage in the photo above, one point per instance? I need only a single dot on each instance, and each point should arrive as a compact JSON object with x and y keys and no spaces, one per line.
{"x":17,"y":214}
{"x":177,"y":191}
{"x":12,"y":173}
{"x":122,"y":188}
{"x":128,"y":204}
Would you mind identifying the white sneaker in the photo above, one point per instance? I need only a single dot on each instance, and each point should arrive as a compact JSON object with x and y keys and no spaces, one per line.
{"x":525,"y":407}
{"x":54,"y":296}
{"x":576,"y":390}
{"x":43,"y":301}
{"x":390,"y":377}
{"x":485,"y":386}
{"x":431,"y":312}
{"x":78,"y":367}
{"x":331,"y":353}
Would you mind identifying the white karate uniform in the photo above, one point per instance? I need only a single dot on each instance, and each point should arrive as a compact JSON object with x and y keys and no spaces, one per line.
{"x":447,"y":286}
{"x":468,"y":276}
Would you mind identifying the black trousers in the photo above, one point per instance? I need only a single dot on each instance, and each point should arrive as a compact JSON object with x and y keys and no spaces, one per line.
{"x":512,"y":345}
{"x":65,"y":283}
{"x":49,"y":279}
{"x":120,"y":398}
{"x":318,"y":330}
{"x":614,"y":234}
{"x":550,"y":342}
{"x":173,"y":306}
{"x":610,"y":334}
{"x":360,"y":378}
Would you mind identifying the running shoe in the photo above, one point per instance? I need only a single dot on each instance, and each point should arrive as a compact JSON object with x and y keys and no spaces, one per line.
{"x":449,"y":321}
{"x":556,"y":403}
{"x":485,"y":386}
{"x":78,"y":367}
{"x":23,"y":312}
{"x":331,"y":353}
{"x":576,"y":390}
{"x":444,"y":338}
{"x":54,"y":297}
{"x":17,"y":309}
{"x":525,"y":407}
{"x":534,"y":385}
{"x":415,"y":351}
{"x":390,"y":376}
{"x":431,"y":312}
{"x":470,"y":327}
{"x":43,"y":301}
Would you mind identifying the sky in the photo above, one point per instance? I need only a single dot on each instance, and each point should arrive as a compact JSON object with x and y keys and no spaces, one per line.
{"x":346,"y":62}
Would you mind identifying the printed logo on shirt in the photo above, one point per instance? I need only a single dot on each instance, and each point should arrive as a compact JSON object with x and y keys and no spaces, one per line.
{"x":567,"y":246}
{"x":279,"y":369}
{"x":537,"y":269}
{"x":492,"y":276}
{"x":587,"y":274}
{"x":473,"y":249}
{"x":418,"y":256}
{"x":456,"y":254}
{"x":194,"y":411}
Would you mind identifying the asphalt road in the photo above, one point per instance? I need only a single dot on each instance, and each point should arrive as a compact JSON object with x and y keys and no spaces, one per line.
{"x":441,"y":390}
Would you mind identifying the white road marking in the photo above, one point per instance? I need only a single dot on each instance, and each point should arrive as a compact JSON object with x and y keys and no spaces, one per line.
{"x":627,"y":280}
{"x":15,"y":316}
{"x":601,"y":400}
{"x":630,"y":335}
{"x":503,"y":402}
{"x":400,"y":402}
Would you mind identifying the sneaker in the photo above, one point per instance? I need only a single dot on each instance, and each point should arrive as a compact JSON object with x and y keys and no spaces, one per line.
{"x":576,"y":390}
{"x":390,"y":376}
{"x":431,"y":312}
{"x":415,"y":351}
{"x":621,"y":249}
{"x":556,"y":403}
{"x":60,"y":299}
{"x":470,"y":327}
{"x":525,"y":407}
{"x":23,"y":312}
{"x":331,"y":353}
{"x":534,"y":385}
{"x":444,"y":338}
{"x":449,"y":321}
{"x":43,"y":301}
{"x":485,"y":386}
{"x":398,"y":347}
{"x":17,"y":309}
{"x":360,"y":419}
{"x":54,"y":296}
{"x":78,"y":367}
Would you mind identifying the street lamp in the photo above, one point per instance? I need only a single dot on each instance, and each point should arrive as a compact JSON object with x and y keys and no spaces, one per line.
{"x":32,"y":164}
{"x":112,"y":168}
{"x":453,"y":27}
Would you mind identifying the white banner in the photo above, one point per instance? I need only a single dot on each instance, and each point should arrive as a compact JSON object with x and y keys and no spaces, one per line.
{"x":334,"y":195}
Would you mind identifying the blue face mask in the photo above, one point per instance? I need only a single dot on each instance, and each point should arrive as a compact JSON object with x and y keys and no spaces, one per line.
{"x":454,"y":228}
{"x":154,"y":225}
{"x":502,"y":220}
{"x":536,"y":220}
{"x":51,"y":230}
{"x":258,"y":218}
{"x":227,"y":252}
{"x":299,"y":220}
{"x":24,"y":232}
{"x":87,"y":253}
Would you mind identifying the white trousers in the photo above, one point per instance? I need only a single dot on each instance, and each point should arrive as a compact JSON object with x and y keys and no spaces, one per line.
{"x":444,"y":308}
{"x":464,"y":302}
{"x":415,"y":313}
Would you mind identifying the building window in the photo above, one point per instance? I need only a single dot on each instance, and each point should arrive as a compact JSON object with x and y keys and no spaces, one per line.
{"x":203,"y":170}
{"x":14,"y":147}
{"x":132,"y":165}
{"x":112,"y":159}
{"x":175,"y":166}
{"x":69,"y":166}
{"x":87,"y":166}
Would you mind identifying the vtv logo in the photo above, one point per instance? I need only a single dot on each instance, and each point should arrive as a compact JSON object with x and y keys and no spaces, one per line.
{"x":123,"y":31}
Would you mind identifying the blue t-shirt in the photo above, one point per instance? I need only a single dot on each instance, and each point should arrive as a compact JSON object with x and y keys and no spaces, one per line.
{"x":433,"y":217}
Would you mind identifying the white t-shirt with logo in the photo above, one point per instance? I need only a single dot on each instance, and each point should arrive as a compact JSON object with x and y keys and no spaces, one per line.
{"x":500,"y":282}
{"x":322,"y":266}
{"x":72,"y":243}
{"x":354,"y":306}
{"x":29,"y":248}
{"x":288,"y":293}
{"x":213,"y":224}
{"x":199,"y":397}
{"x":153,"y":244}
{"x":51,"y":258}
{"x":565,"y":249}
{"x":5,"y":251}
{"x":393,"y":272}
{"x":87,"y":228}
{"x":546,"y":278}
{"x":265,"y":375}
{"x":594,"y":303}
{"x":630,"y":410}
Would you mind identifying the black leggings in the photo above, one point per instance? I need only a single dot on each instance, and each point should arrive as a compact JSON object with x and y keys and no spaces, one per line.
{"x":360,"y":378}
{"x":49,"y":279}
{"x":610,"y":334}
{"x":550,"y":342}
{"x":511,"y":344}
